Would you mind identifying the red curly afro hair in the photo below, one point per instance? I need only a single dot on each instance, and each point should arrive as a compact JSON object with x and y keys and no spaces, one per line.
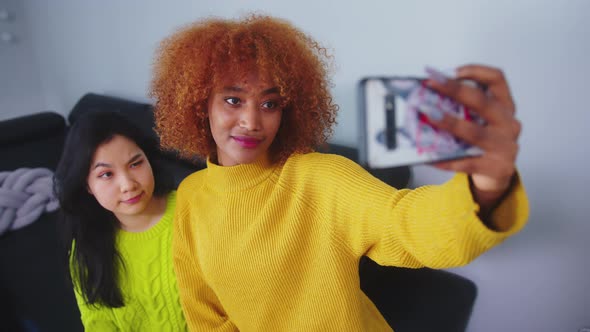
{"x":193,"y":61}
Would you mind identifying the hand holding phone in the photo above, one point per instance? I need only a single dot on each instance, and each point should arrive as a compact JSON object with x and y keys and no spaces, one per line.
{"x":493,"y":171}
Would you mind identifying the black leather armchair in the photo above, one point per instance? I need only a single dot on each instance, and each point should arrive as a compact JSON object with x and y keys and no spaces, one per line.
{"x":34,"y":292}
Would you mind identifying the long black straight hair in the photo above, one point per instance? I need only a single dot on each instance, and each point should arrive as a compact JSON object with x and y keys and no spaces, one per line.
{"x":88,"y":230}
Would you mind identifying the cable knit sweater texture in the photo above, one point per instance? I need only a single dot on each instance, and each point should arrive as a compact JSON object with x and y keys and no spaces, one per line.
{"x":147,"y":281}
{"x":260,"y":248}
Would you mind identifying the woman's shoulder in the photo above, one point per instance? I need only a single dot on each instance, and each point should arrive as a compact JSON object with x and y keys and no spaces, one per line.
{"x":170,"y":203}
{"x":318,"y":158}
{"x":317,"y":166}
{"x":191,"y":181}
{"x":188,"y":187}
{"x":316,"y":161}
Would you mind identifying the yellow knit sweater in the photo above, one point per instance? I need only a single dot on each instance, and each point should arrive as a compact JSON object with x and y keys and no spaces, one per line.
{"x":147,"y":282}
{"x":277,"y":248}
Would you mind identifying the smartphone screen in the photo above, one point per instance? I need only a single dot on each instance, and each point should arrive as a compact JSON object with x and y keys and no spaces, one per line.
{"x":395,"y":126}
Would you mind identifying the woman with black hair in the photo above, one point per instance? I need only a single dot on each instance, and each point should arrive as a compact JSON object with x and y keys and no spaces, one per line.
{"x":117,"y":226}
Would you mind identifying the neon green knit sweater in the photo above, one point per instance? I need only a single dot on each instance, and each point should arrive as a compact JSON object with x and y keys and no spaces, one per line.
{"x":277,"y":248}
{"x":149,"y":287}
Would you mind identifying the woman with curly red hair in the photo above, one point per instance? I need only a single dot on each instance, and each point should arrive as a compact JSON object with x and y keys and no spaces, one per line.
{"x":268,"y":237}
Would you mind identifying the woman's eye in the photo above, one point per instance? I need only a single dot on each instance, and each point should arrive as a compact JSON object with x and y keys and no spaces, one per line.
{"x":105,"y":175}
{"x":270,"y":105}
{"x":136,"y":164}
{"x":232,"y":100}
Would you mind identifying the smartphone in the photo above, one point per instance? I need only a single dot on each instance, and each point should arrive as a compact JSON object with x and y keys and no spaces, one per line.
{"x":395,"y":129}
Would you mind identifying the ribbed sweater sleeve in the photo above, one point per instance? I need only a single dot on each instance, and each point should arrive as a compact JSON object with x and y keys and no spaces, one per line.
{"x":202,"y":309}
{"x":435,"y":226}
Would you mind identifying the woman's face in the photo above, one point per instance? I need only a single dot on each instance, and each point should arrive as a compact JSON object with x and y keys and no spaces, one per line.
{"x":121,"y":177}
{"x":244,"y":116}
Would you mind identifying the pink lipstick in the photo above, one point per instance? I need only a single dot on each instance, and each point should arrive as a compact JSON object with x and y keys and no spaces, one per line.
{"x":133,"y":200}
{"x":247,"y":142}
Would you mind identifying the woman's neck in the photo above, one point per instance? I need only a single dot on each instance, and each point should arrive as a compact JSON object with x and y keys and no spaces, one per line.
{"x":262,"y":160}
{"x":147,"y":218}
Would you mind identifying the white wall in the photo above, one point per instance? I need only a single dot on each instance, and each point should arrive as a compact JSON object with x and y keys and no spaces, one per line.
{"x":20,"y":88}
{"x":536,"y":281}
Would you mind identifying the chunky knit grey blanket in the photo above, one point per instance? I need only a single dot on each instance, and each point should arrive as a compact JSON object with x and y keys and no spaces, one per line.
{"x":25,"y":194}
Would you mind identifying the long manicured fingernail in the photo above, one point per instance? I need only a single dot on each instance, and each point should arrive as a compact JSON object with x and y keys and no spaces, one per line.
{"x":431,"y":112}
{"x":435,"y":75}
{"x":440,"y":76}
